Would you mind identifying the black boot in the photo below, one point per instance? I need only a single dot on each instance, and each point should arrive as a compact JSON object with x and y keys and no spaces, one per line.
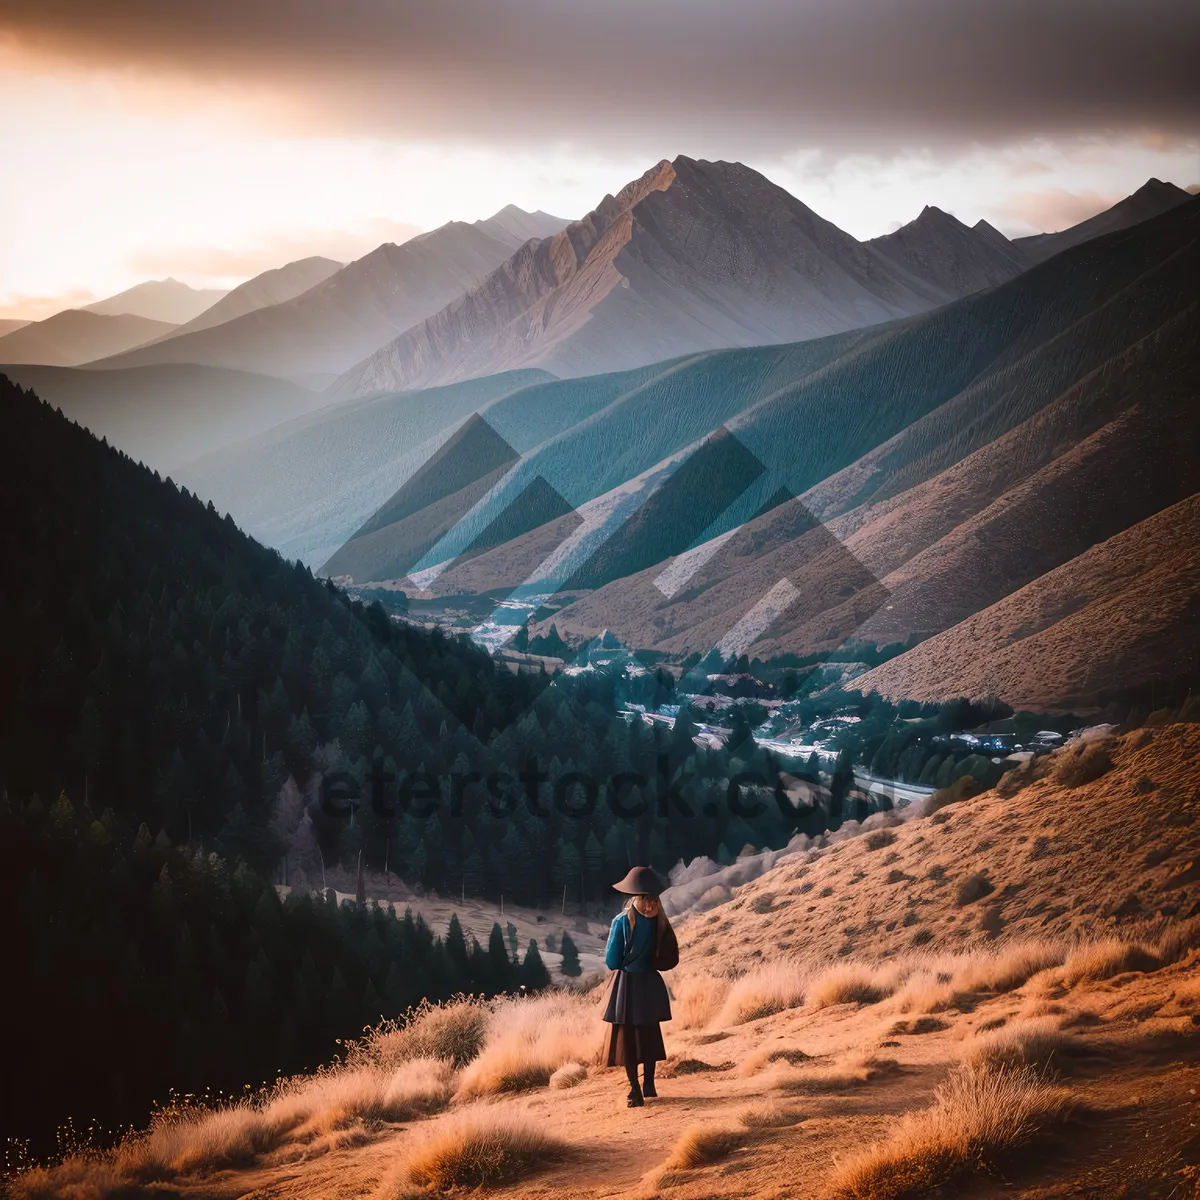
{"x":648,"y":1088}
{"x":634,"y":1099}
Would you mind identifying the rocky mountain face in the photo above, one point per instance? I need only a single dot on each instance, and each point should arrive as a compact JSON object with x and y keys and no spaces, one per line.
{"x":327,"y":328}
{"x":77,"y":336}
{"x":691,"y":256}
{"x":1150,"y":200}
{"x":959,"y":258}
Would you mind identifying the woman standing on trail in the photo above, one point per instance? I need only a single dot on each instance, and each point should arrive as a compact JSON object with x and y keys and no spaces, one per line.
{"x":640,"y":944}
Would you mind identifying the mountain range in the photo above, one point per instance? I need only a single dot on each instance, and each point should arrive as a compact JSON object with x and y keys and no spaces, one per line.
{"x":316,"y":335}
{"x":913,"y":478}
{"x":811,"y":441}
{"x":691,"y":256}
{"x":1150,"y":200}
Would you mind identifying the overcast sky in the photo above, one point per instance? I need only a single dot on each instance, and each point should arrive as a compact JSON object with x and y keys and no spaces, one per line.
{"x":211,"y":141}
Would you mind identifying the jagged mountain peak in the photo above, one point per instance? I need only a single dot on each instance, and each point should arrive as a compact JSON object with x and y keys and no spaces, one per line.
{"x":691,"y":255}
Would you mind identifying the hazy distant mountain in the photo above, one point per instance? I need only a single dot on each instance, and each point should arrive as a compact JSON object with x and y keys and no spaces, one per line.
{"x":1151,"y":199}
{"x":691,"y":256}
{"x":271,"y":287}
{"x":517,"y":223}
{"x":11,"y":326}
{"x":159,"y":300}
{"x":939,"y":248}
{"x":305,"y":486}
{"x":76,"y":336}
{"x":167,"y":414}
{"x":331,"y":326}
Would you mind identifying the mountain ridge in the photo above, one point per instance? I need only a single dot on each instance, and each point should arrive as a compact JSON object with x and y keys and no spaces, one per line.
{"x":75,"y":336}
{"x":166,"y":300}
{"x":327,"y":328}
{"x":691,"y":256}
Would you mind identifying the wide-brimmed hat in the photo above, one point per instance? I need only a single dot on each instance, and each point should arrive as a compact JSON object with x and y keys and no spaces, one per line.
{"x":641,"y":881}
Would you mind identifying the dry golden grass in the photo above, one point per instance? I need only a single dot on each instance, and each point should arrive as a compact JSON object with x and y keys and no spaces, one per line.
{"x":1179,"y":940}
{"x":770,"y":1116}
{"x":569,"y":1075}
{"x":1105,"y":958}
{"x":454,"y":1031}
{"x":1006,"y":969}
{"x":763,"y":991}
{"x":853,"y":1071}
{"x":769,"y":1055}
{"x":852,"y":983}
{"x":928,"y":989}
{"x":481,"y":1147}
{"x":698,"y":999}
{"x":978,"y":1117}
{"x":701,"y":1144}
{"x":528,"y":1039}
{"x":299,"y":1110}
{"x":1038,"y":1042}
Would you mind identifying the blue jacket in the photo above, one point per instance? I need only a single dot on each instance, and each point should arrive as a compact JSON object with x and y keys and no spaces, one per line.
{"x":624,"y":953}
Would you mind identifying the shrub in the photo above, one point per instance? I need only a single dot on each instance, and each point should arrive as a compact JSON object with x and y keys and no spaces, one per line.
{"x":568,"y":1075}
{"x":1105,"y":958}
{"x":877,"y":839}
{"x":770,"y":1116}
{"x":1177,"y":941}
{"x":848,"y":983}
{"x":479,"y":1148}
{"x":528,"y":1039}
{"x":1038,"y":1042}
{"x":453,"y":1030}
{"x":978,"y":1117}
{"x":766,"y":990}
{"x":792,"y":1055}
{"x":974,"y":887}
{"x":1082,"y":763}
{"x":1006,"y":969}
{"x":698,"y":999}
{"x":965,"y":787}
{"x":1030,"y":771}
{"x":853,"y":1072}
{"x":701,"y":1144}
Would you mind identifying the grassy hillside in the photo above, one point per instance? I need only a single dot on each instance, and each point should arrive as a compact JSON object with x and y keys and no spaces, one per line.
{"x":999,"y":998}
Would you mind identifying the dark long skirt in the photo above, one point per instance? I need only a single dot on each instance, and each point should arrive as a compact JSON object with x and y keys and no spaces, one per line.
{"x":629,"y":1045}
{"x":637,"y":1003}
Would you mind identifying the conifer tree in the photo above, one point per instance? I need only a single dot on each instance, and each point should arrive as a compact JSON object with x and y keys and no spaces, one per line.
{"x":570,"y":957}
{"x":533,"y":971}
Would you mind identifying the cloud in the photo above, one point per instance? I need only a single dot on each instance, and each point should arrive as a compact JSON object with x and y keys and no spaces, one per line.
{"x":758,"y":76}
{"x":220,"y":264}
{"x":1054,"y":210}
{"x":38,"y":308}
